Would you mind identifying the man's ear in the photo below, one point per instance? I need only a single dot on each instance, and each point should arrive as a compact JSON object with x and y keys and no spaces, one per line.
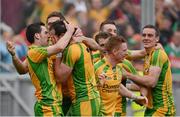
{"x":157,"y":39}
{"x":114,"y":51}
{"x":37,"y":36}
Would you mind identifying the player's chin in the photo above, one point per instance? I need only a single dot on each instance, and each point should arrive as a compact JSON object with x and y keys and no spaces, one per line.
{"x":147,"y":46}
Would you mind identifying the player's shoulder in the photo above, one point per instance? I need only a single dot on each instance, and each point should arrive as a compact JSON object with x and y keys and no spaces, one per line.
{"x":77,"y":46}
{"x":161,"y":53}
{"x":99,"y":64}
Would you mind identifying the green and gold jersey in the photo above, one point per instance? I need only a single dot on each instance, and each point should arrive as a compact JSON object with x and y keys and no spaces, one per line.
{"x":121,"y":101}
{"x":160,"y":97}
{"x":96,"y":56}
{"x":82,"y":84}
{"x":109,"y":92}
{"x":42,"y":75}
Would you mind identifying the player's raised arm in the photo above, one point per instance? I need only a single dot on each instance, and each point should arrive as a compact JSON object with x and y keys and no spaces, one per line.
{"x":20,"y":66}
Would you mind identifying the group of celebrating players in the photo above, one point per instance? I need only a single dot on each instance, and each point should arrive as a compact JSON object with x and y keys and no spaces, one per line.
{"x":78,"y":76}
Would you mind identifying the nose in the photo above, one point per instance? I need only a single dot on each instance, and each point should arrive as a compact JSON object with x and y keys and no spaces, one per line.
{"x":113,"y":33}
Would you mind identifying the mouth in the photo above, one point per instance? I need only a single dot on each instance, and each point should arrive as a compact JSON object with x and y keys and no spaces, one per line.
{"x":146,"y":42}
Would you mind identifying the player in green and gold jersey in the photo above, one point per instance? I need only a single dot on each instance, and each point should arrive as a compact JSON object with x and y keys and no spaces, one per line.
{"x":111,"y":69}
{"x":40,"y":67}
{"x":78,"y":72}
{"x":101,"y":38}
{"x":157,"y":76}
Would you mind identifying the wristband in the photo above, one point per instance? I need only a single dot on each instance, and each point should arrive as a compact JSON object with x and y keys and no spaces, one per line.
{"x":59,"y":55}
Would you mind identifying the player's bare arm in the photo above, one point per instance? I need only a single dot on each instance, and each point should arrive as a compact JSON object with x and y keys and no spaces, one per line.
{"x":63,"y":42}
{"x":146,"y":80}
{"x":21,"y":67}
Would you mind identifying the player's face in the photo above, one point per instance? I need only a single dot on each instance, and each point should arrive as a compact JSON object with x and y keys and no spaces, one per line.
{"x":102,"y":42}
{"x":176,"y":38}
{"x":149,"y":38}
{"x":44,"y":35}
{"x":51,"y":20}
{"x":121,"y":52}
{"x":110,"y":28}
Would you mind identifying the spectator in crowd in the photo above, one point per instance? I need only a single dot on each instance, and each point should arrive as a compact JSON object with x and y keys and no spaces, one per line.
{"x":5,"y":58}
{"x":70,"y":13}
{"x":99,"y":12}
{"x":173,"y":51}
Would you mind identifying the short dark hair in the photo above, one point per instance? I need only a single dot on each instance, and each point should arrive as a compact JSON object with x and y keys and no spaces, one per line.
{"x":56,"y":14}
{"x":32,"y":29}
{"x":59,"y":27}
{"x":114,"y":42}
{"x":157,"y":32}
{"x":104,"y":35}
{"x":106,"y":22}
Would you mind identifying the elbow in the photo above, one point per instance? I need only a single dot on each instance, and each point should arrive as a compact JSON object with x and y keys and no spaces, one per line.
{"x":58,"y":49}
{"x":151,"y":85}
{"x":61,"y":48}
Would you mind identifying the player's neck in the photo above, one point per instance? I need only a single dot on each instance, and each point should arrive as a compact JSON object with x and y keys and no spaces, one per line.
{"x":112,"y":61}
{"x":148,"y":50}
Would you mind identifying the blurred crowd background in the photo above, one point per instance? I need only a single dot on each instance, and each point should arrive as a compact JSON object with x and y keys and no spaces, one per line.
{"x":88,"y":14}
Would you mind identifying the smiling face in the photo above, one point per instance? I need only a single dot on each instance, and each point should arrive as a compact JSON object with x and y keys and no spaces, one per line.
{"x":149,"y":38}
{"x":116,"y":48}
{"x":120,"y":52}
{"x":110,"y":28}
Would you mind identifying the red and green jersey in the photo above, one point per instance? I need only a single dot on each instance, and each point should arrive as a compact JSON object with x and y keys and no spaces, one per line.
{"x":174,"y":56}
{"x":42,"y":75}
{"x":82,"y":83}
{"x":160,"y":97}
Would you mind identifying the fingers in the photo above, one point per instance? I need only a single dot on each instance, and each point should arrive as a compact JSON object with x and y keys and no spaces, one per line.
{"x":159,"y":46}
{"x":146,"y":101}
{"x":102,"y":76}
{"x":142,"y":100}
{"x":10,"y":47}
{"x":53,"y":39}
{"x":78,"y":32}
{"x":70,"y":28}
{"x":101,"y":79}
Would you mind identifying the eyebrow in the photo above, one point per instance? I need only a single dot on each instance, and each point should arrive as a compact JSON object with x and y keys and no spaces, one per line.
{"x":147,"y":34}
